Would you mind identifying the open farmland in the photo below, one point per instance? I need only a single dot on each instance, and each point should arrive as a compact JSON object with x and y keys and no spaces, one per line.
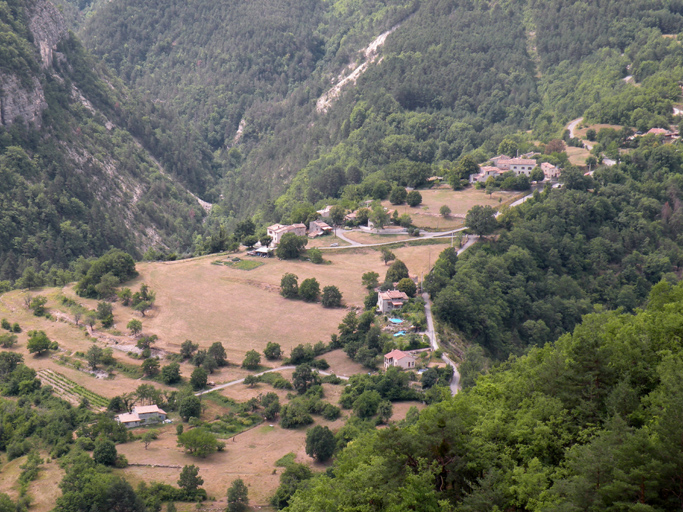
{"x":243,"y":309}
{"x":206,"y":303}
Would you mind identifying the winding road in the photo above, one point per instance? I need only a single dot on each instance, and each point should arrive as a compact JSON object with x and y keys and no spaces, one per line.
{"x":588,"y":145}
{"x":431,"y":333}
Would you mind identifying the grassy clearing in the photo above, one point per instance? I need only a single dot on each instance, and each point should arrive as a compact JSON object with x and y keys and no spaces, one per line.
{"x":427,"y":216}
{"x":241,"y":265}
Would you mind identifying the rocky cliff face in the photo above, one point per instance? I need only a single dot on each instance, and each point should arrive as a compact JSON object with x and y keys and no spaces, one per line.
{"x":16,"y":100}
{"x":26,"y":98}
{"x":48,"y":28}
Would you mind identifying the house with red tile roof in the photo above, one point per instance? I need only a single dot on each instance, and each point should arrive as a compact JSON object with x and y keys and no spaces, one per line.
{"x":399,"y":358}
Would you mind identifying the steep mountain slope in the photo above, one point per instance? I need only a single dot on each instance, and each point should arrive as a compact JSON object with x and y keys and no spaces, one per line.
{"x":75,"y":177}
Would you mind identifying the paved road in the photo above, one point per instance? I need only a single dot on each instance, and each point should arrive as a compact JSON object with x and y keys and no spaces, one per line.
{"x":239,"y":381}
{"x":572,"y":126}
{"x":431,"y":333}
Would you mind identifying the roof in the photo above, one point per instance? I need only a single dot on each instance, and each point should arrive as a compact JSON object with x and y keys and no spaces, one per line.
{"x":320,"y":224}
{"x":547,"y":165}
{"x":488,"y":168}
{"x":517,"y":161}
{"x":396,"y":354}
{"x":278,"y":228}
{"x":128,"y":417}
{"x":147,"y":409}
{"x":658,"y":131}
{"x":393,"y":295}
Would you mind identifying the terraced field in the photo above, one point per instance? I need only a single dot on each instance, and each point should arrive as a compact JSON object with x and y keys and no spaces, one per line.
{"x":68,"y":390}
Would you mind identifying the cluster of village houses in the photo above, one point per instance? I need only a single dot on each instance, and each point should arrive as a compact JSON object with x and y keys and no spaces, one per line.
{"x":503,"y":163}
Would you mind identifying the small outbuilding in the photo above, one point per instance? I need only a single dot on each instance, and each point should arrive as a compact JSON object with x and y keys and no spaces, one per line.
{"x":318,"y":228}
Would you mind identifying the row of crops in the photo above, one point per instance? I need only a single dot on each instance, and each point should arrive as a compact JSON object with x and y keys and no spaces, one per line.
{"x":68,"y":390}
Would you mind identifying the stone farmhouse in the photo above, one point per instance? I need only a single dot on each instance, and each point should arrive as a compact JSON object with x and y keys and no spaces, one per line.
{"x":390,"y":300}
{"x":485,"y":173}
{"x":142,"y":415}
{"x":550,"y":171}
{"x":277,"y":230}
{"x":503,"y":164}
{"x":517,"y":165}
{"x":399,"y":358}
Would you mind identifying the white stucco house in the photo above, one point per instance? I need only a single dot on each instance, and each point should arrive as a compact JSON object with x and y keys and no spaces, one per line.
{"x":399,"y":358}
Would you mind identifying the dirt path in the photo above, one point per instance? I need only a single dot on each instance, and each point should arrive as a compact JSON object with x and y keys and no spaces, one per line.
{"x":239,"y":381}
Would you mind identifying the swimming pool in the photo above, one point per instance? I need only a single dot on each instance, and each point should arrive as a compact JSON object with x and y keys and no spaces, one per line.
{"x":396,"y":320}
{"x":400,"y":333}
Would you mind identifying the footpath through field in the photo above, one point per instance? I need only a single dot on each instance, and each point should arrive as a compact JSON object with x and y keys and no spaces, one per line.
{"x":281,"y":368}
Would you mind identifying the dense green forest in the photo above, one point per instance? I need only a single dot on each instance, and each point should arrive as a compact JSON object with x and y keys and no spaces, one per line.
{"x":591,"y":422}
{"x":456,"y":77}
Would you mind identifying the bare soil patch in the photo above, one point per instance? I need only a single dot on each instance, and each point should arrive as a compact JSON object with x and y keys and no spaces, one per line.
{"x":341,"y":364}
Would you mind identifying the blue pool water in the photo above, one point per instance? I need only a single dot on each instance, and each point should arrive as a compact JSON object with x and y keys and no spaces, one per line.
{"x":396,"y":320}
{"x":400,"y":333}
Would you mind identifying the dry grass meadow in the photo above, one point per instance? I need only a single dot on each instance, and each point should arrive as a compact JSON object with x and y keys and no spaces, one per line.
{"x":426,"y":215}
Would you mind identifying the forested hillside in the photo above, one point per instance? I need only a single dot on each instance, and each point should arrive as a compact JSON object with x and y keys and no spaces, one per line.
{"x":77,"y":171}
{"x":605,"y":240}
{"x":591,"y":422}
{"x":455,"y":77}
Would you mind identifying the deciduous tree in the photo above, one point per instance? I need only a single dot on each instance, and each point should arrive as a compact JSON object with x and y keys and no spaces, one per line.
{"x":272,"y":351}
{"x":481,"y":220}
{"x":332,"y":297}
{"x":320,"y":443}
{"x":238,"y":497}
{"x":309,"y":289}
{"x":252,"y":360}
{"x":289,"y":286}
